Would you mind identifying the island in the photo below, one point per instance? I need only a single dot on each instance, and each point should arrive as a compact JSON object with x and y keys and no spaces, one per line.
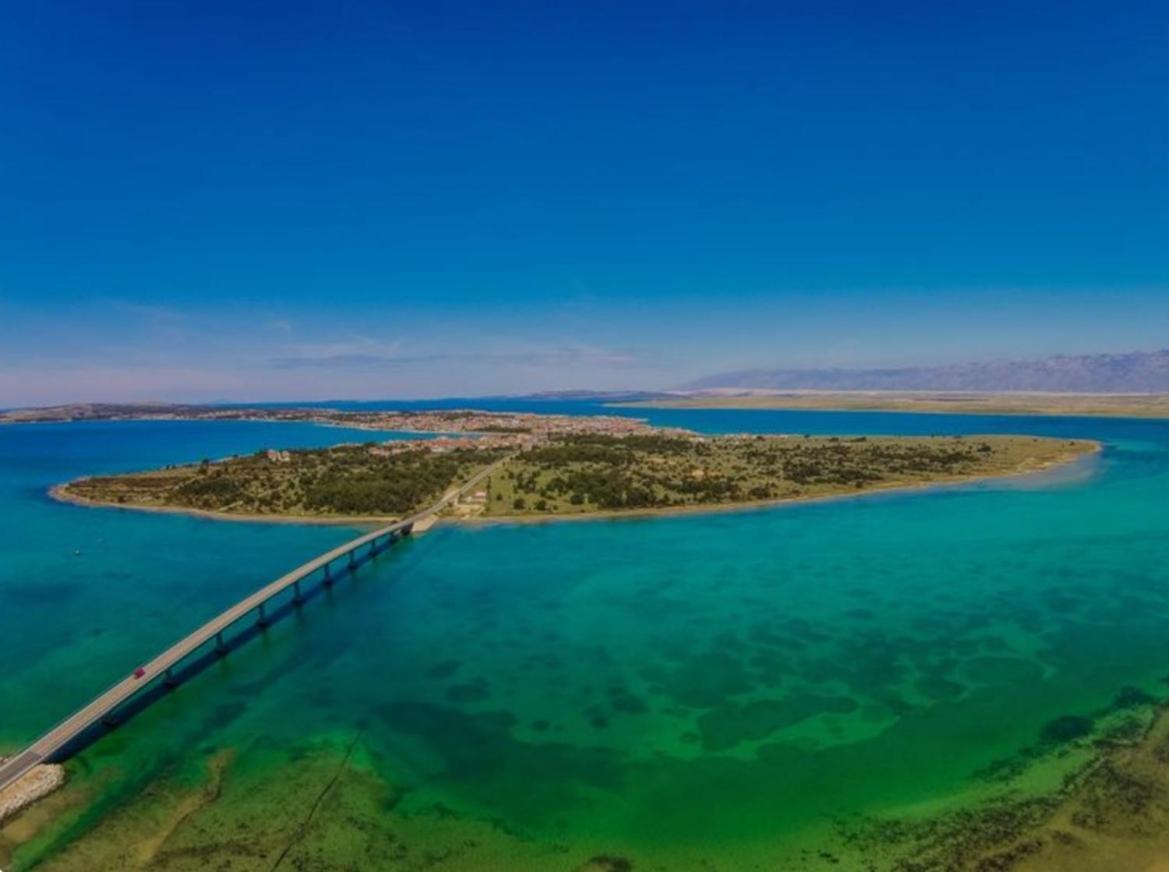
{"x":544,"y":467}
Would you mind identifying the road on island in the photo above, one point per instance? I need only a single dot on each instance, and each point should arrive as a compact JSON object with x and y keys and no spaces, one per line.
{"x":66,"y":731}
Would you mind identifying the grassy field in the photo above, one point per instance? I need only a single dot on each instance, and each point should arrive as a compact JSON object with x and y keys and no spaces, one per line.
{"x":597,"y":474}
{"x":956,"y":402}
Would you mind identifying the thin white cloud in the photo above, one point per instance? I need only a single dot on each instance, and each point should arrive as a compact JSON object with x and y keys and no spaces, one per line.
{"x":570,"y":356}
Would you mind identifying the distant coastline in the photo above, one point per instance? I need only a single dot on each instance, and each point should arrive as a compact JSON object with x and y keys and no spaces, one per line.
{"x":926,"y":402}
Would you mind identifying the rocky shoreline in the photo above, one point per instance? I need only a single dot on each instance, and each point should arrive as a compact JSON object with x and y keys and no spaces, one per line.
{"x":35,"y":784}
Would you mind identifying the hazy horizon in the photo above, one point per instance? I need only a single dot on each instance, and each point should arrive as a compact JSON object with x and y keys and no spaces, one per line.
{"x":705,"y":383}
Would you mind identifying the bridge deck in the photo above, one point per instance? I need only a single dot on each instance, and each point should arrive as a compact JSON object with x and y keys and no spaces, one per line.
{"x":103,"y":705}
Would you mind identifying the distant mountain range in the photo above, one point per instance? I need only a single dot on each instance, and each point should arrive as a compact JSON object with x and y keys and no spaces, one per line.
{"x":1136,"y":372}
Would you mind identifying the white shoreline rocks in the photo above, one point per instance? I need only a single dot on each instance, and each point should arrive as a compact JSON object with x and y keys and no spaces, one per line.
{"x":38,"y":782}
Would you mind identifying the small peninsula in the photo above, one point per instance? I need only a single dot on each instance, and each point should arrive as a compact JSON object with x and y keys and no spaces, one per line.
{"x":547,"y":468}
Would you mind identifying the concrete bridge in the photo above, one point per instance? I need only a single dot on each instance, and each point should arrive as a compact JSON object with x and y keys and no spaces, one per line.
{"x":210,"y":638}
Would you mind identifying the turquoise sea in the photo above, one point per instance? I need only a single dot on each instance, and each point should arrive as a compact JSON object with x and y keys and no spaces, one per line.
{"x":734,"y":691}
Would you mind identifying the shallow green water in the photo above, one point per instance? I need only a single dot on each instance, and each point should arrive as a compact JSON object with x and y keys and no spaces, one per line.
{"x":731,"y":689}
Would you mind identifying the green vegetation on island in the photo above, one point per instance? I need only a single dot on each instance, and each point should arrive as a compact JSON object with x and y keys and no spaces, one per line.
{"x":593,"y":473}
{"x":569,"y":475}
{"x":347,"y":480}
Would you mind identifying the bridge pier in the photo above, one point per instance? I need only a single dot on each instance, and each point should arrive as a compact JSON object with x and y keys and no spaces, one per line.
{"x":297,"y":599}
{"x":328,"y":580}
{"x":220,"y":648}
{"x":353,"y":559}
{"x":168,"y":677}
{"x":262,"y":620}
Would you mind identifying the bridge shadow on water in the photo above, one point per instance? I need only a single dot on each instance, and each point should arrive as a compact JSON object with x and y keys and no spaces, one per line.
{"x":243,"y":632}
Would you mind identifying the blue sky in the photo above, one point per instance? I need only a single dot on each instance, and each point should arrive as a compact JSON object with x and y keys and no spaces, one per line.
{"x":318,"y":200}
